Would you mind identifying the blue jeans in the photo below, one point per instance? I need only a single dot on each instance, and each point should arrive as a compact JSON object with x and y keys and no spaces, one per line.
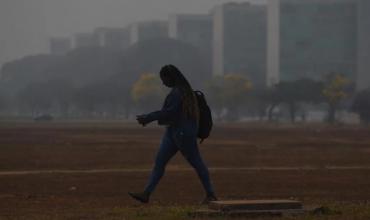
{"x":176,"y":140}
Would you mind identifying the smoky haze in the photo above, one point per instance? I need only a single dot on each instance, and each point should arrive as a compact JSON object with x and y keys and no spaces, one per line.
{"x":26,"y":25}
{"x":78,"y":59}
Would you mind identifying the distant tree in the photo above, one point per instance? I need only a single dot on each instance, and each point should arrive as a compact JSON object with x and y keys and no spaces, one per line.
{"x":113,"y":98}
{"x":229,"y":92}
{"x":88,"y":65}
{"x":287,"y":93}
{"x":54,"y":96}
{"x":87,"y":98}
{"x":311,"y":90}
{"x":294,"y":93}
{"x":108,"y":98}
{"x":117,"y":97}
{"x":2,"y":102}
{"x":61,"y":92}
{"x":18,"y":74}
{"x":257,"y":103}
{"x":147,"y":92}
{"x":3,"y":98}
{"x":235,"y":90}
{"x":336,"y":89}
{"x":361,"y":105}
{"x":271,"y":98}
{"x":35,"y":98}
{"x":215,"y":96}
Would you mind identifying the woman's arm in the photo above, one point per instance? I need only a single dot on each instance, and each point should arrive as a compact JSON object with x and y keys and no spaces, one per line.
{"x":169,"y":111}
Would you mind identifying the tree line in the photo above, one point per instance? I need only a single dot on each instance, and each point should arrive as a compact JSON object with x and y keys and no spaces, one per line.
{"x":232,"y":97}
{"x":108,"y":83}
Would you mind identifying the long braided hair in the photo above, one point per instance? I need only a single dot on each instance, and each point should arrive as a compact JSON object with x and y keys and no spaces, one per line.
{"x":189,"y":100}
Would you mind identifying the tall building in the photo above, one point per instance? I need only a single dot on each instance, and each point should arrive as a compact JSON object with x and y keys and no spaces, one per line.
{"x":311,"y":38}
{"x":195,"y":29}
{"x":363,"y":38}
{"x":85,"y":40}
{"x":59,"y":45}
{"x":239,"y":40}
{"x":273,"y":43}
{"x":148,"y":30}
{"x":116,"y":38}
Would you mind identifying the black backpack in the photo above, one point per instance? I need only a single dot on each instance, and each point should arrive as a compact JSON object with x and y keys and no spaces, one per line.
{"x":205,"y":119}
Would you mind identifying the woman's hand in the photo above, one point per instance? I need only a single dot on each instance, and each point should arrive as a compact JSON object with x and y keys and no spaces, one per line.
{"x":142,"y":119}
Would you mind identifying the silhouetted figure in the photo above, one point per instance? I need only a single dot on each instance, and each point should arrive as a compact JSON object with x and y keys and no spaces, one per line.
{"x":180,"y":113}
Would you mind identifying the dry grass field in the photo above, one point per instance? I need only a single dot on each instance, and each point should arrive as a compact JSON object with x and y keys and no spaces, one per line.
{"x":83,"y":170}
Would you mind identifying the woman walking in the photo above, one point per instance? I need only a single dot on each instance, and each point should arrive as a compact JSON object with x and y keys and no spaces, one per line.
{"x":180,"y":113}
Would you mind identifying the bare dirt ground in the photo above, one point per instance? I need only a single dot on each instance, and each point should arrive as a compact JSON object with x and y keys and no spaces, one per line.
{"x":84,"y":170}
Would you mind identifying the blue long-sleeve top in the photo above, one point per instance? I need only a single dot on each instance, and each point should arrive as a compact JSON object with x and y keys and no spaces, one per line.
{"x":171,"y":110}
{"x":172,"y":114}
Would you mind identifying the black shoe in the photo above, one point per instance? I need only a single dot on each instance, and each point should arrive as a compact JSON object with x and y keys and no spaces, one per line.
{"x":208,"y":199}
{"x":142,"y":197}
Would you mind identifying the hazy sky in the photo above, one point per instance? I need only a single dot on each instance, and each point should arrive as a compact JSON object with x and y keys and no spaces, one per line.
{"x":26,"y":24}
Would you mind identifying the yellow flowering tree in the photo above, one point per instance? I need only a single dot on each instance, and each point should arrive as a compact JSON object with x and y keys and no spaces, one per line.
{"x":236,"y":88}
{"x":229,"y":91}
{"x":215,"y":94}
{"x":147,"y":92}
{"x":334,"y":92}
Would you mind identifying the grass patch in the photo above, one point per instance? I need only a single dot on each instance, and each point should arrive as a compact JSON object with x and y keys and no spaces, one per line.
{"x":333,"y":211}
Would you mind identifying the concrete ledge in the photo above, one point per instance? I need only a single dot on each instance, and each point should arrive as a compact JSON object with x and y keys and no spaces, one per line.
{"x":246,"y":213}
{"x":255,"y":205}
